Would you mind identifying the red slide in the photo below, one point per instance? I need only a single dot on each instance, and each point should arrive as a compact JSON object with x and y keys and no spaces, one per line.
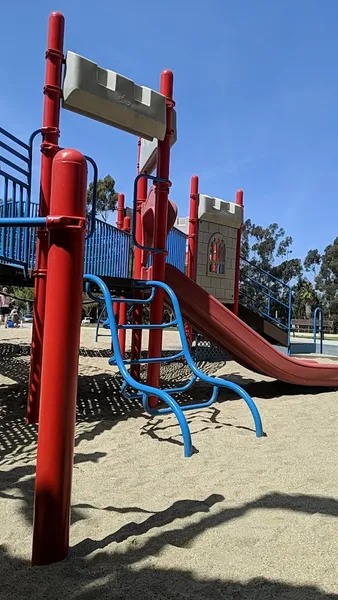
{"x":208,"y":316}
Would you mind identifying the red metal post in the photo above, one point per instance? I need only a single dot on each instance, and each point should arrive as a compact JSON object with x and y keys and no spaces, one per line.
{"x":160,"y":234}
{"x":49,"y":147}
{"x":60,"y":361}
{"x":192,"y":241}
{"x":193,"y":228}
{"x":136,"y":337}
{"x":120,"y":211}
{"x":239,"y":201}
{"x":119,"y":225}
{"x":123,"y":307}
{"x":126,"y":224}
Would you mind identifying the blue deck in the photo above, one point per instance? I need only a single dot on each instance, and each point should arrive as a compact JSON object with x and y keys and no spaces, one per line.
{"x":108,"y":252}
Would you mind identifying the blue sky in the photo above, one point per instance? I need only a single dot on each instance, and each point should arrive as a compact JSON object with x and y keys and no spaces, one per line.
{"x":256,"y":96}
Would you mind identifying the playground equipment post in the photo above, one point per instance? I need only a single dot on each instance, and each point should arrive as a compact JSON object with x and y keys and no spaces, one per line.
{"x":160,"y":233}
{"x":49,"y":147}
{"x":121,"y":308}
{"x":239,"y":201}
{"x":136,"y":336}
{"x":192,"y":241}
{"x":59,"y":371}
{"x":120,"y":211}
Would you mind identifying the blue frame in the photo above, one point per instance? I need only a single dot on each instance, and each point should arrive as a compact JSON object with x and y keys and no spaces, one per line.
{"x":143,"y":391}
{"x":321,"y":328}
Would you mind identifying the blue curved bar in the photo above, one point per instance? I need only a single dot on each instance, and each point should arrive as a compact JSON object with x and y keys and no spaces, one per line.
{"x":214,"y":381}
{"x":145,"y":389}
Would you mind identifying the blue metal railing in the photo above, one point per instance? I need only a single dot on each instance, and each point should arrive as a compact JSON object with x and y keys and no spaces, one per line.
{"x":143,"y":391}
{"x":17,"y":244}
{"x":177,"y":249}
{"x":107,"y":251}
{"x":266,"y":294}
{"x":15,"y":196}
{"x":319,"y":311}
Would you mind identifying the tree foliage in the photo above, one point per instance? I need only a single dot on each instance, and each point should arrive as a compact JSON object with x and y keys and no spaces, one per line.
{"x":106,"y":198}
{"x":305,"y":299}
{"x":23,"y":297}
{"x":270,"y":249}
{"x":325,"y":267}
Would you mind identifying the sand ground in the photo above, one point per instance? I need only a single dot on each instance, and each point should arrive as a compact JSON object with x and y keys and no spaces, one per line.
{"x":244,"y":518}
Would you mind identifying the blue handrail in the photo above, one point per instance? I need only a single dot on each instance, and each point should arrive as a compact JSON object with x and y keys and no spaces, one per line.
{"x":252,"y":264}
{"x":270,"y":296}
{"x":23,"y":222}
{"x":92,"y":219}
{"x":143,"y":391}
{"x":16,"y":174}
{"x":319,"y":311}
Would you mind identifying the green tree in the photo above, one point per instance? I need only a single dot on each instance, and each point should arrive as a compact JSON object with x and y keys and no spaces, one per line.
{"x":312,"y":261}
{"x":23,"y":297}
{"x":106,"y":198}
{"x":269,"y":248}
{"x":326,"y":280}
{"x":306,"y":299}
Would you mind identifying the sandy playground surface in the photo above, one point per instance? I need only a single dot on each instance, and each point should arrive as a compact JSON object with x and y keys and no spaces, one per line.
{"x":244,"y":518}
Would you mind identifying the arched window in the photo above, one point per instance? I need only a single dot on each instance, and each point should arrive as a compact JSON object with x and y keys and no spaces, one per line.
{"x":216,"y":255}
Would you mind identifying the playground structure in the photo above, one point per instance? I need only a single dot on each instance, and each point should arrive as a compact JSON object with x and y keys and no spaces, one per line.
{"x":64,"y":259}
{"x":60,"y":247}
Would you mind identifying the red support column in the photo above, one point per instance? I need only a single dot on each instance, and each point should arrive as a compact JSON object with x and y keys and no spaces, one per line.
{"x":239,"y":201}
{"x":60,"y":361}
{"x":120,"y":211}
{"x":192,"y":241}
{"x":136,"y":336}
{"x":123,"y":307}
{"x":193,"y":228}
{"x":119,"y":225}
{"x":49,"y":147}
{"x":160,"y":234}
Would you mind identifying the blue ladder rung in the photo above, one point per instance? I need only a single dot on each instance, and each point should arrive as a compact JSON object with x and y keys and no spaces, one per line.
{"x":148,"y":361}
{"x":149,"y":326}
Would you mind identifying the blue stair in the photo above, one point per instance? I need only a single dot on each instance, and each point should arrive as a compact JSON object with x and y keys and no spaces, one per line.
{"x":132,"y":389}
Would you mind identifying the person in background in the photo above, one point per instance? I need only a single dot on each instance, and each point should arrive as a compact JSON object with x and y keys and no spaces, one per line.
{"x":15,"y":317}
{"x":4,"y":306}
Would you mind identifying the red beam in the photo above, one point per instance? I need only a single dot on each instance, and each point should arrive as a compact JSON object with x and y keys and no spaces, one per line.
{"x":239,"y":201}
{"x":49,"y":147}
{"x":136,"y":336}
{"x":192,"y":241}
{"x":160,"y":233}
{"x":60,"y":362}
{"x":123,"y":307}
